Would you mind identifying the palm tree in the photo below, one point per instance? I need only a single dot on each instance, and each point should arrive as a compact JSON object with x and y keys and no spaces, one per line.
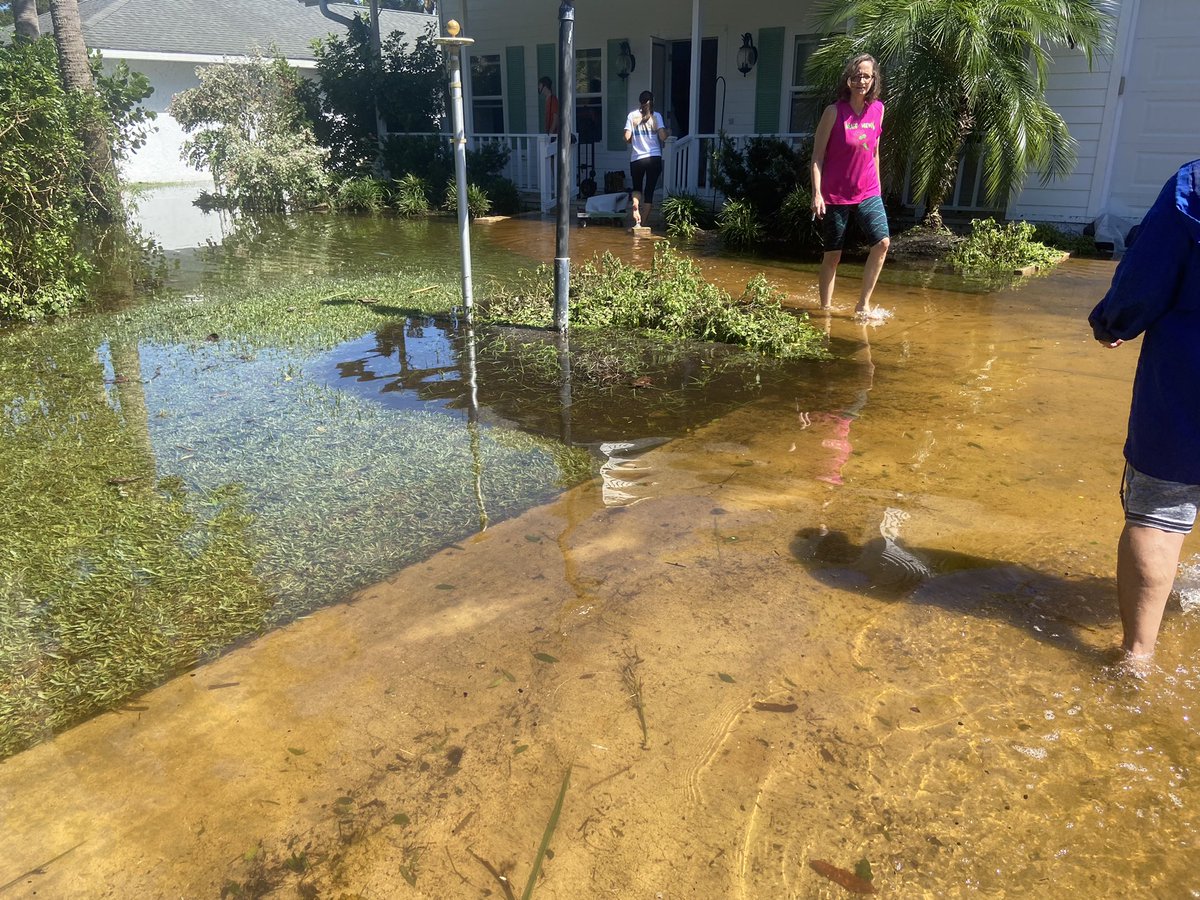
{"x":25,"y":17}
{"x":76,"y":73}
{"x":959,"y":70}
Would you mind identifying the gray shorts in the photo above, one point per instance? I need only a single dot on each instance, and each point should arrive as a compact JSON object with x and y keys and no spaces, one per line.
{"x":1153,"y":503}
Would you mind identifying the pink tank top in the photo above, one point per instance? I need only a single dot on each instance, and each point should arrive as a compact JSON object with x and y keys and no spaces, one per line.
{"x":849,"y":174}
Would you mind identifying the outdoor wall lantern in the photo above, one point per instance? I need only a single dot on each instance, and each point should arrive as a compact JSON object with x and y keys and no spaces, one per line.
{"x":626,"y":62}
{"x":747,"y":54}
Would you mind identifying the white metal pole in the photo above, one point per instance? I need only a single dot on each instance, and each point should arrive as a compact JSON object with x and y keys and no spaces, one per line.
{"x":454,"y":45}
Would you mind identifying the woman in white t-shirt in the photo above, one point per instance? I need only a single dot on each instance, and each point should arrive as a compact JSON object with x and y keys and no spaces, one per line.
{"x":645,"y":134}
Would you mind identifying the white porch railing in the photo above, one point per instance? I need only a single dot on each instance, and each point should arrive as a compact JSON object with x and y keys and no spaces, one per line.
{"x":531,"y":161}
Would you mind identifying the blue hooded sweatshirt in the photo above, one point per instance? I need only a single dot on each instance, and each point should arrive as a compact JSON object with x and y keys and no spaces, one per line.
{"x":1156,"y":291}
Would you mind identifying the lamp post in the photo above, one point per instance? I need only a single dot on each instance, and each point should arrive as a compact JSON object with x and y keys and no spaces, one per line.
{"x":566,"y":116}
{"x":454,"y":44}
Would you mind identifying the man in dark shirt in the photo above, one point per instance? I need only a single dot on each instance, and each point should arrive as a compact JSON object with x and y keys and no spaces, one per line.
{"x":1155,"y":292}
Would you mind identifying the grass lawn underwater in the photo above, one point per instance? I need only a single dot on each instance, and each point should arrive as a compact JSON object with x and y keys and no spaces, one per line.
{"x":181,"y":476}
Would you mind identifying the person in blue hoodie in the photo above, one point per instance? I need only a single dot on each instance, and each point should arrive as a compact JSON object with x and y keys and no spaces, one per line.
{"x":1155,"y":293}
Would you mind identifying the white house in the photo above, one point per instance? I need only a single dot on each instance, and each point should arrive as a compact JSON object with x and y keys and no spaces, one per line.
{"x":1135,"y":114}
{"x":167,"y":39}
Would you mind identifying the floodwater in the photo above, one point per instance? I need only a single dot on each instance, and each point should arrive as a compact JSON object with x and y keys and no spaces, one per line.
{"x":859,"y":622}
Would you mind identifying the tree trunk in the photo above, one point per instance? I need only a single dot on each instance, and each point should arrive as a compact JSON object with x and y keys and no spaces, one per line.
{"x":26,"y":20}
{"x":73,"y":66}
{"x":945,"y":185}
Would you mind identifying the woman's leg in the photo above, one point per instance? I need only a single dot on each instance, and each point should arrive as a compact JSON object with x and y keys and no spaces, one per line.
{"x":654,"y":167}
{"x":829,"y":264}
{"x":872,"y":218}
{"x":637,"y":172}
{"x":871,"y":274}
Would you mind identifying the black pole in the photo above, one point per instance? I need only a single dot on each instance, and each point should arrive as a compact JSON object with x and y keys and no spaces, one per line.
{"x":566,"y":116}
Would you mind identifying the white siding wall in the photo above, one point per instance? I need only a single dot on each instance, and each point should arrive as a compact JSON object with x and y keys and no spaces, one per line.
{"x":505,"y":23}
{"x":1081,"y":97}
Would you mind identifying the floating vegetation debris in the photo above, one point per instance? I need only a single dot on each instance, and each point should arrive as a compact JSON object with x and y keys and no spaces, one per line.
{"x":633,"y":683}
{"x":547,"y":835}
{"x":849,"y":880}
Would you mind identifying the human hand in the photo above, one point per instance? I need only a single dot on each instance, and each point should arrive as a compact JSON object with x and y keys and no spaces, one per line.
{"x":818,"y":207}
{"x":636,"y":119}
{"x":1111,"y":345}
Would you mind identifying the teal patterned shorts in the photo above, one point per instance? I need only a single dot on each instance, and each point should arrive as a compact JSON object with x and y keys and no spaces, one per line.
{"x":871,"y":216}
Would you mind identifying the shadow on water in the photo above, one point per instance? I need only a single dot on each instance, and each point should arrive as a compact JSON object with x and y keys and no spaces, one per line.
{"x":1052,"y":609}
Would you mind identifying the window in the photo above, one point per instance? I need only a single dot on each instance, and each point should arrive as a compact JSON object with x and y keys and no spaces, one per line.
{"x":589,"y":96}
{"x":487,"y":95}
{"x":806,"y":98}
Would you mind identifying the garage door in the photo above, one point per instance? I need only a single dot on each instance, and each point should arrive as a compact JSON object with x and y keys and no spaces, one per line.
{"x":1160,"y":115}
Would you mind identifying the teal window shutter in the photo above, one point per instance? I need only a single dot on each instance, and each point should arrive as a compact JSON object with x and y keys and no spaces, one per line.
{"x":547,"y":64}
{"x":617,"y":97}
{"x":768,"y":81}
{"x":514,"y":59}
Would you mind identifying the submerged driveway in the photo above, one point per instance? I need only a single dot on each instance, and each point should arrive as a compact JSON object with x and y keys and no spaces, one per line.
{"x":874,"y":630}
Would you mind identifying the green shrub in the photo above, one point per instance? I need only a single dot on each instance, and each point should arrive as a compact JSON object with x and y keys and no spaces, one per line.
{"x":796,"y":223}
{"x":1071,"y":242}
{"x":992,"y":247}
{"x":410,"y":197}
{"x":427,"y":156}
{"x":672,"y":298}
{"x":406,"y":86}
{"x":41,"y":195}
{"x":685,"y":214}
{"x":478,"y":202}
{"x":251,"y":131}
{"x":740,"y":225}
{"x":365,"y":194}
{"x":762,"y":173}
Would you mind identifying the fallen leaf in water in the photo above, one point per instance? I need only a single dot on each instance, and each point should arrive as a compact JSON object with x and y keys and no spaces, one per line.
{"x":862,"y":869}
{"x":725,"y":677}
{"x":443,"y":587}
{"x":296,"y":751}
{"x":643,"y":382}
{"x":848,"y":880}
{"x":400,"y":819}
{"x":775,"y":707}
{"x":545,"y":657}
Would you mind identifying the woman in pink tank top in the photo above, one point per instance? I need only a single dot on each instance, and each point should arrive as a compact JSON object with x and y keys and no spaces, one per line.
{"x":845,"y":177}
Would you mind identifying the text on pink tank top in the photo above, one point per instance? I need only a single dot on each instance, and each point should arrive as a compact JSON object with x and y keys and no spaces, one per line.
{"x":848,"y":174}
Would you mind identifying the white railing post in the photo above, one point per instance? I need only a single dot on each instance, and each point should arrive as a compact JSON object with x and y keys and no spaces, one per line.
{"x":545,"y":177}
{"x":669,"y":166}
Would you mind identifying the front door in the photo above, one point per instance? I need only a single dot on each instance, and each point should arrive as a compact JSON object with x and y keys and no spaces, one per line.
{"x":679,"y":77}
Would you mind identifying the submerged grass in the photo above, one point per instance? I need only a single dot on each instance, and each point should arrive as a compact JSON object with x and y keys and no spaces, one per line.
{"x":168,"y":493}
{"x":185,"y":474}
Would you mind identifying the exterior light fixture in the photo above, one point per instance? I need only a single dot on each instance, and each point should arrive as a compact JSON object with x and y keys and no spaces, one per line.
{"x":626,"y":62}
{"x":747,"y":54}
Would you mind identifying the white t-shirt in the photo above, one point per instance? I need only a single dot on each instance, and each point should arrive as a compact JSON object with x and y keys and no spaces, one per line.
{"x":645,"y":135}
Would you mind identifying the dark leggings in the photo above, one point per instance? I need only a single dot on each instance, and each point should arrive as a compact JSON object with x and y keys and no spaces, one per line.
{"x":646,"y":170}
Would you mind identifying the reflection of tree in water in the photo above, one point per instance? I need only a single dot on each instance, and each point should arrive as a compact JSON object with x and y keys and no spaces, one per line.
{"x":117,"y":578}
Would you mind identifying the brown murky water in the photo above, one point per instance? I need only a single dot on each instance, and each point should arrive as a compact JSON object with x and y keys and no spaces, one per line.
{"x":805,"y":698}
